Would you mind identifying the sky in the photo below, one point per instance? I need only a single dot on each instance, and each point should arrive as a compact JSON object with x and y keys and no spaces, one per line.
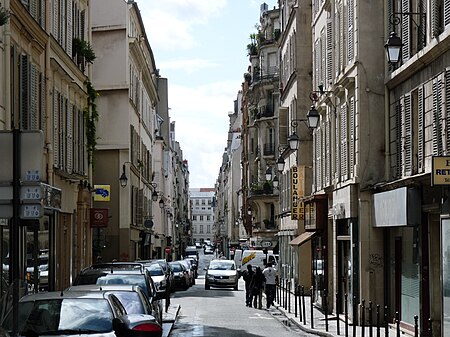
{"x":200,"y":46}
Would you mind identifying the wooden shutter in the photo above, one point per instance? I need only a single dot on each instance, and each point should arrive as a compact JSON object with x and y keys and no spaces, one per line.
{"x":24,"y":92}
{"x":407,"y":136}
{"x":42,"y":101}
{"x":351,"y":150}
{"x":329,"y":62}
{"x":447,"y":109}
{"x":328,"y":142}
{"x":420,"y":131}
{"x":436,"y":26}
{"x":33,"y":9}
{"x":55,"y":19}
{"x":446,"y":12}
{"x":69,"y":138}
{"x":34,"y":98}
{"x":337,"y":165}
{"x":55,"y":128}
{"x":344,"y":142}
{"x":69,"y":32}
{"x":398,"y":142}
{"x":323,"y":57}
{"x":318,"y":156}
{"x":350,"y":31}
{"x":406,"y":31}
{"x":437,"y":117}
{"x":341,"y":37}
{"x":283,"y":126}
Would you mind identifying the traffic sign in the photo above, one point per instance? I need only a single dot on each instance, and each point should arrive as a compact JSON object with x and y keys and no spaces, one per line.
{"x":31,"y":211}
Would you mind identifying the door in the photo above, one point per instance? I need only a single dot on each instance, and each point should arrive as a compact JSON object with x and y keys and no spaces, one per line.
{"x":344,"y":274}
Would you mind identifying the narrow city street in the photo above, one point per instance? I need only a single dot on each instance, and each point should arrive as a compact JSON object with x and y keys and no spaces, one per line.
{"x":222,"y":312}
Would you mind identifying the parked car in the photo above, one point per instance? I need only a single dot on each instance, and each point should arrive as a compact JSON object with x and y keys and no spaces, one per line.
{"x":208,"y":250}
{"x":159,"y":277}
{"x":80,"y":313}
{"x":180,"y":275}
{"x":194,"y":265}
{"x":118,"y":273}
{"x":167,"y":270}
{"x":222,"y":274}
{"x":191,"y":273}
{"x":132,"y":298}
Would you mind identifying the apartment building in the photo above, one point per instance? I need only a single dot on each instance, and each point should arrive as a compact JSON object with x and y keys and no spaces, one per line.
{"x":202,"y":211}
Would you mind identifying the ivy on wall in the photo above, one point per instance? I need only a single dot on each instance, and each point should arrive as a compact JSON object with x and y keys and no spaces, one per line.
{"x":91,"y":119}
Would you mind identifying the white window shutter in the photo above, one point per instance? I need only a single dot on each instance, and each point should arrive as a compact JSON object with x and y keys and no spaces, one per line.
{"x":350,"y":31}
{"x":328,"y":142}
{"x":69,"y":145}
{"x":25,"y":92}
{"x":406,"y":31}
{"x":447,"y":109}
{"x":446,"y":12}
{"x":352,"y":137}
{"x":34,"y":98}
{"x":329,"y":62}
{"x":337,"y":165}
{"x":420,"y":131}
{"x":344,"y":142}
{"x":407,"y":136}
{"x":398,"y":142}
{"x":55,"y":128}
{"x":69,"y":32}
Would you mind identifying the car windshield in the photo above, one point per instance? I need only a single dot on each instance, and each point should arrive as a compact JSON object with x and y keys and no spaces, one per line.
{"x":155,"y":270}
{"x":221,"y":265}
{"x":176,"y":267}
{"x":53,"y":315}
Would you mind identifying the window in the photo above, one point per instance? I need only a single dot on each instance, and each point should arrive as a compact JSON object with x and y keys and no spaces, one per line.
{"x":201,"y":229}
{"x":208,"y":229}
{"x":201,"y":217}
{"x":208,"y":217}
{"x":194,"y":218}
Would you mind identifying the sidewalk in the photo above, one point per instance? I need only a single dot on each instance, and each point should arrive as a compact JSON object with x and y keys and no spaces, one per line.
{"x":318,"y":326}
{"x":169,"y":318}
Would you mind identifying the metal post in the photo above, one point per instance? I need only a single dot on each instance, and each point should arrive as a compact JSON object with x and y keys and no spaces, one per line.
{"x":300,"y":303}
{"x":295,"y":298}
{"x":386,"y":324}
{"x":430,"y":328}
{"x":363,"y":318}
{"x":304,"y":306}
{"x":370,"y":319}
{"x":289,"y":297}
{"x":337,"y":314}
{"x":416,"y":326}
{"x":397,"y":322}
{"x":285,"y":295}
{"x":311,"y":305}
{"x":325,"y":308}
{"x":378,"y":320}
{"x":346,"y":314}
{"x":355,"y":312}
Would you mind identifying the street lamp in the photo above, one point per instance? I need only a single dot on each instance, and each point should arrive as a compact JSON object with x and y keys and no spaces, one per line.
{"x":393,"y":48}
{"x":275,"y":182}
{"x":280,"y":164}
{"x":123,"y":178}
{"x":161,"y":203}
{"x":268,"y":174}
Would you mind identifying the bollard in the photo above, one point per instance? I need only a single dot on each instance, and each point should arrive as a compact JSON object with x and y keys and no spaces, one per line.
{"x":430,"y":328}
{"x":282,"y":293}
{"x":289,"y":296}
{"x":325,"y":308}
{"x":370,"y":319}
{"x":285,"y":295}
{"x":300,"y":303}
{"x":337,"y":314}
{"x":386,"y":324}
{"x":416,"y":326}
{"x":355,"y":317}
{"x":311,"y":305}
{"x":378,"y":320}
{"x":346,"y":314}
{"x":397,"y":322}
{"x":363,"y":318}
{"x":295,"y":298}
{"x":303,"y":304}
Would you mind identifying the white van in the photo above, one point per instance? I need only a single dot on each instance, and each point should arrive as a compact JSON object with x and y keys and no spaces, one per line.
{"x":256,"y":258}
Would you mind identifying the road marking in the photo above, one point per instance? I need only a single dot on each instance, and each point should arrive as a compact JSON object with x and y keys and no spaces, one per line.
{"x":259,"y":316}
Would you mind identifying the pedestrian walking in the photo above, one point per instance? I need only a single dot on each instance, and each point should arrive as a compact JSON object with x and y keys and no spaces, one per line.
{"x":257,"y":286}
{"x":247,"y":275}
{"x":270,"y":275}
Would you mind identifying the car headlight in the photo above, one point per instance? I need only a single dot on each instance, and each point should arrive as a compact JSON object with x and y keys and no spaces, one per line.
{"x":210,"y":276}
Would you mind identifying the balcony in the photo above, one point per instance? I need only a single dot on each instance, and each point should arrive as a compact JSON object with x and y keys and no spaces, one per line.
{"x":265,"y":112}
{"x":261,"y":188}
{"x":269,"y":149}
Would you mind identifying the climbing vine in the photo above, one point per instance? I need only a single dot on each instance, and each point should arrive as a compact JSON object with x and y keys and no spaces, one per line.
{"x":91,"y":119}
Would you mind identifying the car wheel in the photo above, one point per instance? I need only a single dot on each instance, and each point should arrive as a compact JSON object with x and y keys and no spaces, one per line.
{"x":207,"y":287}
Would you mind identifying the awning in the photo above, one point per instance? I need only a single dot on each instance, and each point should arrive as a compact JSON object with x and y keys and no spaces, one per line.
{"x":302,"y":238}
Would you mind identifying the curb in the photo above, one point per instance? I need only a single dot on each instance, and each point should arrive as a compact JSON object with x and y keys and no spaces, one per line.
{"x":173,"y":318}
{"x":302,"y":326}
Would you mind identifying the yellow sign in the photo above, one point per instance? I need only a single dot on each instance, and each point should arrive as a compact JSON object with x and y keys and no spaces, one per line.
{"x":297,"y":192}
{"x":102,"y":192}
{"x":441,"y":171}
{"x":248,"y":258}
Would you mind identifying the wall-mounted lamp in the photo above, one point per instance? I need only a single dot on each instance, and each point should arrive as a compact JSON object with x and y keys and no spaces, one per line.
{"x":280,"y":164}
{"x":123,"y":178}
{"x":394,"y":43}
{"x":249,"y":210}
{"x":312,"y":121}
{"x":161,"y":203}
{"x":268,"y":174}
{"x":275,"y":181}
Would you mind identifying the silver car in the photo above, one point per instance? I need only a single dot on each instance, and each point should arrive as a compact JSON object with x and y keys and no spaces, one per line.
{"x":221,"y":274}
{"x":80,"y":313}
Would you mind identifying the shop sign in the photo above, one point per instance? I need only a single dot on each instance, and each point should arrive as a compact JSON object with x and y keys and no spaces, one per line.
{"x":99,"y":217}
{"x":298,"y":192}
{"x":441,"y":171}
{"x":102,"y":192}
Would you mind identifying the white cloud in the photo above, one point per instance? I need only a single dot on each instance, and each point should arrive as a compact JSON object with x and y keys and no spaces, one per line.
{"x":169,"y":23}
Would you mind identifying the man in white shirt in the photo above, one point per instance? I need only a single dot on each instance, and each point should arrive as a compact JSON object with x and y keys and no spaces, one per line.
{"x":270,"y":274}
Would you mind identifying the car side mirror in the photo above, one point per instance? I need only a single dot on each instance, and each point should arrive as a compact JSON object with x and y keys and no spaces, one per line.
{"x":206,"y":268}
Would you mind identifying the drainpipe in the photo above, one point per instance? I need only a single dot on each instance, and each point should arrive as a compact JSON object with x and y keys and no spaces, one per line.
{"x":387,"y":153}
{"x":7,"y":63}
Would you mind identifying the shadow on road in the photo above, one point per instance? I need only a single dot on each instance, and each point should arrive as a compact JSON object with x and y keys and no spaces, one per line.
{"x":191,"y":330}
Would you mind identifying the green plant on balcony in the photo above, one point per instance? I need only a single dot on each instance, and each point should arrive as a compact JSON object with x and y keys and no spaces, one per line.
{"x":4,"y":15}
{"x":81,"y":48}
{"x":253,"y":47}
